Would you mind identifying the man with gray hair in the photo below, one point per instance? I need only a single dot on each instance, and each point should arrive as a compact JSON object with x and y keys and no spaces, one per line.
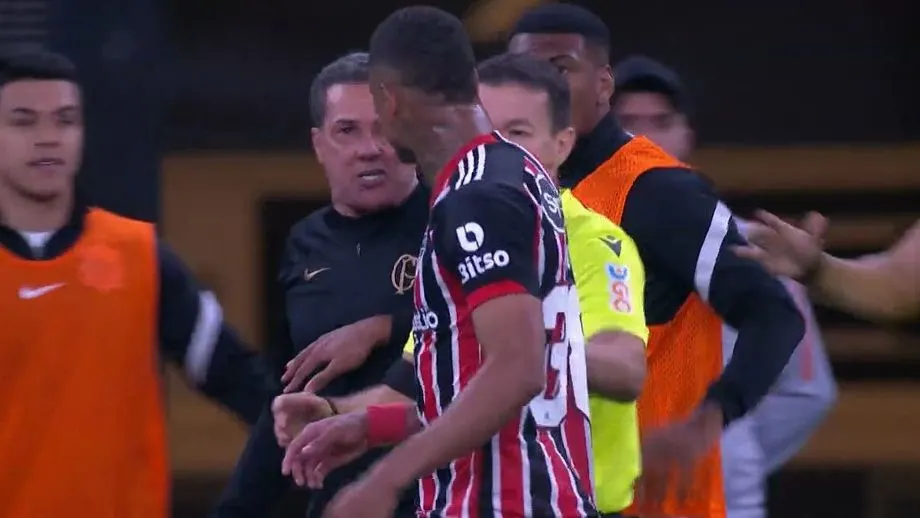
{"x":650,"y":100}
{"x":347,"y":276}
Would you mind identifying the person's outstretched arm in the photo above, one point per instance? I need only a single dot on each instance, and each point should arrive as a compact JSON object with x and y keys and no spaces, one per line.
{"x":194,"y":335}
{"x":885,"y":286}
{"x":882,"y":287}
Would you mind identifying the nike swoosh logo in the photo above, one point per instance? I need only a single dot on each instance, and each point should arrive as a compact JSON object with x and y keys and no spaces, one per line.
{"x":308,"y":275}
{"x":26,"y":293}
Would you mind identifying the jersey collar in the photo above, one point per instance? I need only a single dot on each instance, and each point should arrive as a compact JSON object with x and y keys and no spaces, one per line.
{"x":60,"y":242}
{"x":592,"y":150}
{"x":448,"y":170}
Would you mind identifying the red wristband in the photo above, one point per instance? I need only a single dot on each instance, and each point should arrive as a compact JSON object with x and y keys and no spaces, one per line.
{"x":386,"y":424}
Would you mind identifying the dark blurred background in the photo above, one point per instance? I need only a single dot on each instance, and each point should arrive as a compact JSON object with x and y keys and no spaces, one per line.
{"x":197,"y":119}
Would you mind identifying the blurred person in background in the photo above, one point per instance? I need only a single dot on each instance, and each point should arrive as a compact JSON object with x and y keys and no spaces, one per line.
{"x":529,"y":102}
{"x":882,"y":287}
{"x":347,"y":273}
{"x":682,"y":230}
{"x":650,"y":100}
{"x":92,"y":302}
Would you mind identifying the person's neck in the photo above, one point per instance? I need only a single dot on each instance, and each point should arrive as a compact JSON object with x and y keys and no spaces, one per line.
{"x":603,"y":109}
{"x":24,"y":214}
{"x":449,"y":129}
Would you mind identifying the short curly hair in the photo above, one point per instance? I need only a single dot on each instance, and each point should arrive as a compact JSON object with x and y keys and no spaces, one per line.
{"x":430,"y":50}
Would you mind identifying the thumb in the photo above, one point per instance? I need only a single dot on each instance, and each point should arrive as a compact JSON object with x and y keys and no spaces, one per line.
{"x":815,"y":224}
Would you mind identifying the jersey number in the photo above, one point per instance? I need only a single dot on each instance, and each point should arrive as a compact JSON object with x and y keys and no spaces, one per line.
{"x":564,"y":361}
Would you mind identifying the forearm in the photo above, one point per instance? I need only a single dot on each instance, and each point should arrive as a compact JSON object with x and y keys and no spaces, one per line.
{"x":377,"y":395}
{"x":768,"y":333}
{"x":494,"y":396}
{"x":868,"y":287}
{"x":237,"y":378}
{"x":616,"y":365}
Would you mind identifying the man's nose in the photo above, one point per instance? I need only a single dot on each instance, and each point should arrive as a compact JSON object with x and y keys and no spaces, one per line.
{"x":47,"y":136}
{"x":370,"y":148}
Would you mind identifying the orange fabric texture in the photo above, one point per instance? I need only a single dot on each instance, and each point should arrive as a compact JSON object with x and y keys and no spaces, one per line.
{"x":82,"y":431}
{"x":684,"y":355}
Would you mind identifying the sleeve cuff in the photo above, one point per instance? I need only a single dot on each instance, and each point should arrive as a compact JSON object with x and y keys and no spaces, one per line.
{"x":494,"y":290}
{"x":400,"y":325}
{"x":729,"y":402}
{"x":401,"y":378}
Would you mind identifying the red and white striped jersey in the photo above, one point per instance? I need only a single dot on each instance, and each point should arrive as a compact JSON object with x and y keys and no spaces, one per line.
{"x":496,"y":228}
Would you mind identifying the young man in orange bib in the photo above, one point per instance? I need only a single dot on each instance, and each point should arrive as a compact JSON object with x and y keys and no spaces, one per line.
{"x":90,"y":301}
{"x":693,"y":283}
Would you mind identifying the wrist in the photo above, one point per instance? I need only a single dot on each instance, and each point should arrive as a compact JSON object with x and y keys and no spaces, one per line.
{"x":333,"y":406}
{"x":812,"y":274}
{"x":386,"y":424}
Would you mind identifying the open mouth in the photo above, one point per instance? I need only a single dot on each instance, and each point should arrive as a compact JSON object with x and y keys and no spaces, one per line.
{"x":373,"y":176}
{"x":46,"y":162}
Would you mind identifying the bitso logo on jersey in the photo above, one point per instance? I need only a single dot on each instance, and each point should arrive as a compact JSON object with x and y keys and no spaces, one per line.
{"x":476,"y":265}
{"x":470,"y":236}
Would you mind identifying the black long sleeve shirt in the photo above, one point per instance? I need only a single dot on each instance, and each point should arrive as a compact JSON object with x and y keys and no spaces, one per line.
{"x":335,"y":271}
{"x":192,"y":332}
{"x":684,"y":234}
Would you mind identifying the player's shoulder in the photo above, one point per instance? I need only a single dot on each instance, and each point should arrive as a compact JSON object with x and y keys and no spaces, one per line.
{"x":497,"y":161}
{"x":582,"y":223}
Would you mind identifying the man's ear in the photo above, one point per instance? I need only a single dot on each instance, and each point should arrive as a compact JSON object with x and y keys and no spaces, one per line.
{"x":605,"y":83}
{"x":319,"y":144}
{"x":565,"y":142}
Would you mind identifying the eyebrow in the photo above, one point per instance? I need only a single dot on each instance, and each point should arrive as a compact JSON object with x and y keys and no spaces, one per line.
{"x":19,"y":110}
{"x":518,"y":121}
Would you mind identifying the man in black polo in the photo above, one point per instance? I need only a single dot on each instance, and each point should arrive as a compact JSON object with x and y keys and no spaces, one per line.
{"x":347,"y":274}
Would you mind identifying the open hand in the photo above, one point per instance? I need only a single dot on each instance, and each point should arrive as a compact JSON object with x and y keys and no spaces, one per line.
{"x":784,"y":249}
{"x":342,"y":350}
{"x":324,"y":446}
{"x":670,"y":455}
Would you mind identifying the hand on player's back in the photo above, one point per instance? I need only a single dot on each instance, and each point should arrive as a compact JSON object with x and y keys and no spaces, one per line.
{"x":342,"y":350}
{"x":292,"y":412}
{"x":324,"y":446}
{"x":784,"y":249}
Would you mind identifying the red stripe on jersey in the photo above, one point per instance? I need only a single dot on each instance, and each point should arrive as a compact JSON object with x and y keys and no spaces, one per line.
{"x":463,"y":492}
{"x":575,"y":436}
{"x":491,"y":291}
{"x":567,"y":497}
{"x":512,"y":466}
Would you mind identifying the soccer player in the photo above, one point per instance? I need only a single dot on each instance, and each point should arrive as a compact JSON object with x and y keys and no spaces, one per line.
{"x":694,"y":284}
{"x":650,"y":100}
{"x":529,"y":102}
{"x":496,"y":314}
{"x":351,"y":262}
{"x":91,"y":302}
{"x":882,"y":287}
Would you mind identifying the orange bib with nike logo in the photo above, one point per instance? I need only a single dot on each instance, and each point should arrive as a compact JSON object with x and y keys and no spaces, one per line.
{"x":684,"y":354}
{"x":83,"y":426}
